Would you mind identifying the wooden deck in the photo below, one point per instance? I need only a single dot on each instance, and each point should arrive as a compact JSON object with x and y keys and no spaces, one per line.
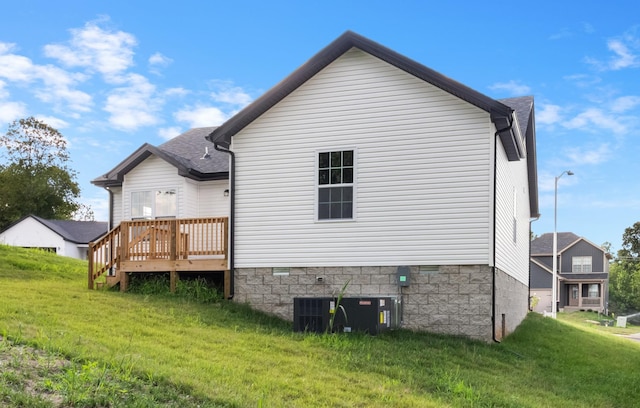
{"x":162,"y":245}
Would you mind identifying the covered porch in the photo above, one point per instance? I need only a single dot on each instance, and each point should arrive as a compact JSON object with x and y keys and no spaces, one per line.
{"x":583,"y":295}
{"x":160,"y":245}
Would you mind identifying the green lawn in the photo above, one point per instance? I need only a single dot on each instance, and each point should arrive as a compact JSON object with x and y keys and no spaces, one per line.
{"x":64,"y":345}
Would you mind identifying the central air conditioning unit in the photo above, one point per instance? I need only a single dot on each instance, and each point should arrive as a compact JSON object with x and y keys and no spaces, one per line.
{"x":371,"y":315}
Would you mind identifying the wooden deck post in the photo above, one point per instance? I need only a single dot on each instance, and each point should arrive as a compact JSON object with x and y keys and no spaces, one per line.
{"x":173,"y":275}
{"x":124,"y":282}
{"x":90,"y":259}
{"x":173,"y":280}
{"x":227,"y":284}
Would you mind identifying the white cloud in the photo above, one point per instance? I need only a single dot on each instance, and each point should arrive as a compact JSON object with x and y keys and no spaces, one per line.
{"x":512,"y":87}
{"x":625,"y":103}
{"x":176,"y":92}
{"x":16,"y":68}
{"x":3,"y":92}
{"x":201,"y":116}
{"x":169,"y":133}
{"x":10,"y":111}
{"x":54,"y":122}
{"x":623,"y":56}
{"x":159,"y":59}
{"x":548,"y":115}
{"x":595,"y":117}
{"x":135,"y":105}
{"x":624,"y":51}
{"x":589,"y":155}
{"x":105,"y":51}
{"x":58,"y":84}
{"x":546,"y":180}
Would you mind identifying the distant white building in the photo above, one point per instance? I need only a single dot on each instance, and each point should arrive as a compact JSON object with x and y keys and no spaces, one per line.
{"x":64,"y":237}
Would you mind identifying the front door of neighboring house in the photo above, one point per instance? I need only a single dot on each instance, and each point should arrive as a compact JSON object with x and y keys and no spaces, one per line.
{"x":573,"y":295}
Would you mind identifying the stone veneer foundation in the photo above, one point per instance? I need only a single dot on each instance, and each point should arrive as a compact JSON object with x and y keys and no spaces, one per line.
{"x":451,"y":299}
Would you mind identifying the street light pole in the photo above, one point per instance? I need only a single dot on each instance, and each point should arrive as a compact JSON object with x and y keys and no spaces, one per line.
{"x":554,"y":284}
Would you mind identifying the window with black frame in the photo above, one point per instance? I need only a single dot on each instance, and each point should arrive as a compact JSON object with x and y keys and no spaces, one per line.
{"x":335,"y":185}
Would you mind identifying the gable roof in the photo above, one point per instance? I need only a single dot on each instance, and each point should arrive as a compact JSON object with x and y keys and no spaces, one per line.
{"x":525,"y":112}
{"x":189,"y":152}
{"x":543,"y":245}
{"x":501,"y":114}
{"x":79,"y":232}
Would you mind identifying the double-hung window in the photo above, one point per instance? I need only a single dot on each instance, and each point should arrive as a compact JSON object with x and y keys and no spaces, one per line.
{"x":336,"y":172}
{"x":581,"y":264}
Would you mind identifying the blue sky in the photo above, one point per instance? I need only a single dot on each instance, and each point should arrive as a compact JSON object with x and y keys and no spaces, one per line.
{"x":112,"y":75}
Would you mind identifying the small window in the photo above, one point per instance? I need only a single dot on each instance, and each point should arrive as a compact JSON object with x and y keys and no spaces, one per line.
{"x":581,"y":264}
{"x":335,"y":185}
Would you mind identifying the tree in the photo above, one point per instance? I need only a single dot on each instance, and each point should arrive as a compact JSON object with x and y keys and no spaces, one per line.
{"x":631,"y":241}
{"x":36,"y":178}
{"x":624,"y":274}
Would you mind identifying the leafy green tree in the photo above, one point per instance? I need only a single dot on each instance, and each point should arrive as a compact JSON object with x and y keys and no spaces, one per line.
{"x":624,"y":287}
{"x":631,"y":241}
{"x":624,"y":274}
{"x":36,"y":178}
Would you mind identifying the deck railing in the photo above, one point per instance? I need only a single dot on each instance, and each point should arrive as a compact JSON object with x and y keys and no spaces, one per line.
{"x":160,"y":239}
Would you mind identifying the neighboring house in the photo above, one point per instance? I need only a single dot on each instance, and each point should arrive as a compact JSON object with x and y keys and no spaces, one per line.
{"x":583,"y":273}
{"x":63,"y":237}
{"x":362,"y":164}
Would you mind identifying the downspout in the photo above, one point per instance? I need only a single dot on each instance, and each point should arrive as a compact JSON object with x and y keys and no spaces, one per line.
{"x":530,"y":221}
{"x":110,"y":226}
{"x":232,"y":213}
{"x":495,"y":200}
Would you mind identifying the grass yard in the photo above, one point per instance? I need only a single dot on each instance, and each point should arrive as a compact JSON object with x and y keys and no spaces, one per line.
{"x":63,"y":345}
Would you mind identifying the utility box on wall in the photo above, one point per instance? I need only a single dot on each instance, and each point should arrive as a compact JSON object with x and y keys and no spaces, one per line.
{"x":403,"y":276}
{"x":371,"y":315}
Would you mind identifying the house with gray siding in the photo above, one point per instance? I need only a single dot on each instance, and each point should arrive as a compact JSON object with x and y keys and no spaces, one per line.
{"x":362,"y":163}
{"x":583,"y":273}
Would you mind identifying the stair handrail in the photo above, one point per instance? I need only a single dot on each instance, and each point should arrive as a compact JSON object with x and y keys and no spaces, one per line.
{"x":104,"y":255}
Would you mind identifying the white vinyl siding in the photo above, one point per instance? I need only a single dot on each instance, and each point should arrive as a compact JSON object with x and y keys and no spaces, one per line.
{"x":512,"y":216}
{"x":424,"y":173}
{"x":153,"y":174}
{"x":211,"y":199}
{"x":117,"y":205}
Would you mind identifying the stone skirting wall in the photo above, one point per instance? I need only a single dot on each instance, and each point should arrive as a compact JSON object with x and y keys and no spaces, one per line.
{"x":512,"y":301}
{"x":452,"y":299}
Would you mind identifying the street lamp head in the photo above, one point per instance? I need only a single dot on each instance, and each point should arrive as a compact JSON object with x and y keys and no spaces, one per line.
{"x":569,"y":173}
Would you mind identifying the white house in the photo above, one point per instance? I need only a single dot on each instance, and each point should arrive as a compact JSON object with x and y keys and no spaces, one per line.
{"x":363,"y":162}
{"x":63,"y":237}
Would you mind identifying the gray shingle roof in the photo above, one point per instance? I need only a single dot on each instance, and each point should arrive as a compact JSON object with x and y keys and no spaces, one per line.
{"x":543,"y":245}
{"x":79,"y":232}
{"x":192,"y":155}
